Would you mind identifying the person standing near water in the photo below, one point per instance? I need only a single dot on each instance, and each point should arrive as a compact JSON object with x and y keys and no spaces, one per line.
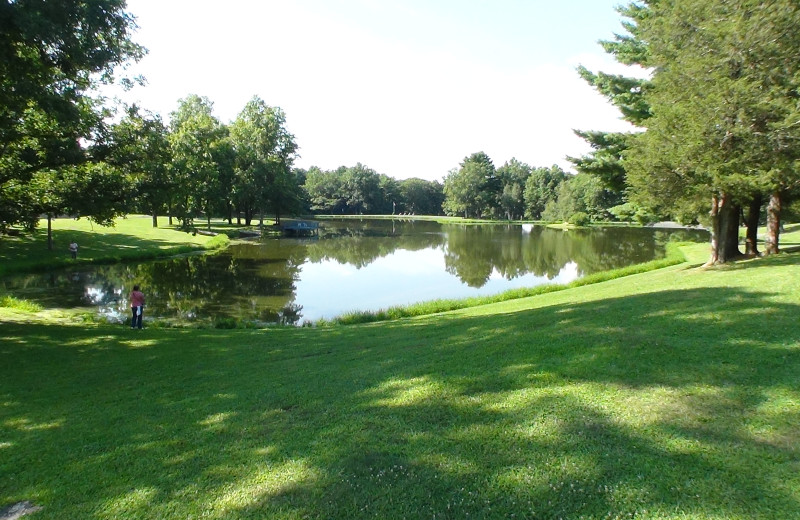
{"x":137,"y":307}
{"x":73,"y":249}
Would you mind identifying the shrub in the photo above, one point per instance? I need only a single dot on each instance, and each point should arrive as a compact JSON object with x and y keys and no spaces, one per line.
{"x":579,"y":219}
{"x":225,"y":323}
{"x":220,"y":241}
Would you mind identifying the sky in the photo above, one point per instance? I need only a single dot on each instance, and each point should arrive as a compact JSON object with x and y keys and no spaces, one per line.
{"x":408,"y":88}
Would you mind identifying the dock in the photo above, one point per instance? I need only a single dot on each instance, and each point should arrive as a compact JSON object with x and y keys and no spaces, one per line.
{"x":300,"y":228}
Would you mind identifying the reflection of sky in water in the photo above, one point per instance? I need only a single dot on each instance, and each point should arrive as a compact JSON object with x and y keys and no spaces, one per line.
{"x":329,"y":288}
{"x":261,"y":281}
{"x":109,"y":304}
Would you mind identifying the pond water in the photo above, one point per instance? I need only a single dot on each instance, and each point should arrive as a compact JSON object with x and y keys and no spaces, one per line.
{"x":351,"y":265}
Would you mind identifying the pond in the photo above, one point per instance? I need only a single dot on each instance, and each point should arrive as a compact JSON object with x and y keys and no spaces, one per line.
{"x":351,"y":265}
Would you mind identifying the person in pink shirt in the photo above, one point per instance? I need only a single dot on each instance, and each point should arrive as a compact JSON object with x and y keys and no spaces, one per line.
{"x":137,"y":307}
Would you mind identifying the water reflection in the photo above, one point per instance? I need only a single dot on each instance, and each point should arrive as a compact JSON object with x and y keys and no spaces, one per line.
{"x":364,"y":265}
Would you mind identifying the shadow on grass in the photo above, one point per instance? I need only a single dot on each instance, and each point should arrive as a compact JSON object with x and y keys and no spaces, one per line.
{"x":785,"y":258}
{"x":674,"y":404}
{"x":29,"y":253}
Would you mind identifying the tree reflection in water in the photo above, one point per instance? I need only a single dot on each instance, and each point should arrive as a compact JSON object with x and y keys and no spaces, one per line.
{"x":351,"y":265}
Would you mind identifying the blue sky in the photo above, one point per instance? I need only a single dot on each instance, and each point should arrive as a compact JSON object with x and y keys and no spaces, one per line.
{"x":406,"y":87}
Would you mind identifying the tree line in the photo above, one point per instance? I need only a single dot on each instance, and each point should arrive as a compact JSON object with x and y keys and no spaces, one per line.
{"x":359,"y":190}
{"x":66,"y":152}
{"x":515,"y":191}
{"x":719,"y":112}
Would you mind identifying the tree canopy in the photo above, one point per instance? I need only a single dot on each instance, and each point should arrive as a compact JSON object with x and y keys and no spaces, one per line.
{"x":719,"y":112}
{"x":52,"y":54}
{"x":473,"y":189}
{"x":724,"y":110}
{"x":264,"y":153}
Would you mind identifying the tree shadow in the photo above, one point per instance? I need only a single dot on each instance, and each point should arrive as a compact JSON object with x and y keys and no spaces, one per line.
{"x":667,"y":404}
{"x":784,"y":258}
{"x":29,"y":253}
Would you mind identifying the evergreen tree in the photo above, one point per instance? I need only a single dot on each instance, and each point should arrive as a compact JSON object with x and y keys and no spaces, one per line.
{"x":723,"y":98}
{"x":626,"y":93}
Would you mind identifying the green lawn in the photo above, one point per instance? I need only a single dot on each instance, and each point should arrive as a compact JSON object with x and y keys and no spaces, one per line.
{"x":132,"y":238}
{"x":672,"y":394}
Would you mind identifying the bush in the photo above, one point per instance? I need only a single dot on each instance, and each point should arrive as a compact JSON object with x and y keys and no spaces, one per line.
{"x":225,"y":323}
{"x":630,"y":212}
{"x":220,"y":241}
{"x":579,"y":219}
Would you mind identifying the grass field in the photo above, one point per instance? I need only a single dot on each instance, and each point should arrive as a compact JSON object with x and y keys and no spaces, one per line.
{"x":671,"y":394}
{"x":132,"y":238}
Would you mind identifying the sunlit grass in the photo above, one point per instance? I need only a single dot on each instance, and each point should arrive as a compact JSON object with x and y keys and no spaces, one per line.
{"x":11,"y":302}
{"x":131,"y":238}
{"x":665,"y":394}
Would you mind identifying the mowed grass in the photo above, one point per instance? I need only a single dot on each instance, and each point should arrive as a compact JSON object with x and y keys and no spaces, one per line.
{"x":672,"y":394}
{"x":131,"y":238}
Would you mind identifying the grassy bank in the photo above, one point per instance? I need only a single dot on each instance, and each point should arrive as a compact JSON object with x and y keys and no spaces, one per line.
{"x":132,"y":238}
{"x":670,"y":394}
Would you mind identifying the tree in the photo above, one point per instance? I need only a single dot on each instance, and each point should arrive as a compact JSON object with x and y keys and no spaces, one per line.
{"x":473,"y":189}
{"x":388,"y":194}
{"x":581,"y":193}
{"x":421,"y":197}
{"x":287,"y":194}
{"x":139,"y":147}
{"x":772,"y":49}
{"x":265,"y":152}
{"x":513,"y":176}
{"x":360,"y":189}
{"x":92,"y":189}
{"x":361,"y":184}
{"x":225,"y":156}
{"x":723,"y":99}
{"x":324,"y":191}
{"x":52,"y":54}
{"x":626,"y":93}
{"x":541,"y":187}
{"x":356,"y":190}
{"x":196,"y":138}
{"x":26,"y":162}
{"x":605,"y":161}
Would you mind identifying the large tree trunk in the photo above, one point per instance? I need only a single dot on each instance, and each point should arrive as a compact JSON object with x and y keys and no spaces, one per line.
{"x":751,"y":240}
{"x":773,"y":223}
{"x":155,"y":218}
{"x":724,"y":230}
